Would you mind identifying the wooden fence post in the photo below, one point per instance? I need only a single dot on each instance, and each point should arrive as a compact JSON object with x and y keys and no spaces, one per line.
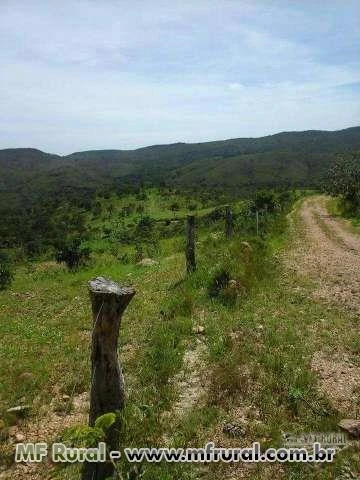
{"x":229,"y":227}
{"x":190,"y":244}
{"x":109,"y":301}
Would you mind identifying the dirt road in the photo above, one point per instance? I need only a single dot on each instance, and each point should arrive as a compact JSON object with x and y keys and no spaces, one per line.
{"x":328,"y":253}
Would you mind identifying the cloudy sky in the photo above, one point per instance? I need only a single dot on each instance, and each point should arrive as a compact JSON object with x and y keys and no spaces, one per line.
{"x":90,"y":74}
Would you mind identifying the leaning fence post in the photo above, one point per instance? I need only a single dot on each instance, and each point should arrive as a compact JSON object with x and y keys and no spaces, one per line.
{"x":190,"y":244}
{"x":228,"y":222}
{"x":109,"y":301}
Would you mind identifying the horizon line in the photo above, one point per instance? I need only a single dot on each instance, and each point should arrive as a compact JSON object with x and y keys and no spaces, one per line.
{"x":178,"y":143}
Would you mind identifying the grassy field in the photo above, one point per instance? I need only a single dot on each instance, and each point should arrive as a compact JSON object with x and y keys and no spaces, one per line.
{"x":248,"y":364}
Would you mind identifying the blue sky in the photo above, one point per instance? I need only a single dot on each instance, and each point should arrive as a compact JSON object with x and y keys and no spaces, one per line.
{"x":89,"y":74}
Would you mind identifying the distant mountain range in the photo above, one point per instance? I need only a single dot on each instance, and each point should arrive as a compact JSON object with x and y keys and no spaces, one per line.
{"x":284,"y":159}
{"x":42,"y":195}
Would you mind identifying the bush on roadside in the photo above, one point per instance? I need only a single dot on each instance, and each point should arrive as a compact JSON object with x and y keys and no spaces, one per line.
{"x":344,"y":181}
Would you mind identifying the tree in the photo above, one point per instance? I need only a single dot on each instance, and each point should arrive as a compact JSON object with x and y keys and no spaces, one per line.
{"x":145,"y":228}
{"x":344,"y":180}
{"x":73,"y":254}
{"x":266,"y":200}
{"x":174,"y":207}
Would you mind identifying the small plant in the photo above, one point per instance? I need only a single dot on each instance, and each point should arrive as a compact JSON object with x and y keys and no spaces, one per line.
{"x":104,"y":422}
{"x":85,"y":436}
{"x":295,"y":397}
{"x":224,"y":288}
{"x":219,"y":282}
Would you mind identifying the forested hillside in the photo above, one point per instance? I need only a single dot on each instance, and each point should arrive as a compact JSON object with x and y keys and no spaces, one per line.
{"x":37,"y":188}
{"x":288,"y":157}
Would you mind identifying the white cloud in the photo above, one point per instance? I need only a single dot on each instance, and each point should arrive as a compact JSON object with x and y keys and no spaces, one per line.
{"x":86,"y":74}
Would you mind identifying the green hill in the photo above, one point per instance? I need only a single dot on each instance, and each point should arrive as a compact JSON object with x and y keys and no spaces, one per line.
{"x":33,"y":184}
{"x":293,"y":158}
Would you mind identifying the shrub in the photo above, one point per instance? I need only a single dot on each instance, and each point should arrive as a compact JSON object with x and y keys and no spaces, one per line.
{"x":174,"y":207}
{"x":139,"y":252}
{"x":6,"y":275}
{"x":266,"y":200}
{"x":219,"y":282}
{"x":145,"y":228}
{"x":73,"y":254}
{"x":224,"y":288}
{"x":344,"y":180}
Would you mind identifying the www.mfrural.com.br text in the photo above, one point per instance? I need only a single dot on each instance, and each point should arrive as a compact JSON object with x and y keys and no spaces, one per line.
{"x":60,"y":453}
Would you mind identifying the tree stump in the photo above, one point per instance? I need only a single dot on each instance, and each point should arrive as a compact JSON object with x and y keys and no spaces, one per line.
{"x":109,"y":301}
{"x":190,"y":244}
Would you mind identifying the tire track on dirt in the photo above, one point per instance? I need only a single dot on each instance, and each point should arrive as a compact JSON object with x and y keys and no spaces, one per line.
{"x":328,"y":253}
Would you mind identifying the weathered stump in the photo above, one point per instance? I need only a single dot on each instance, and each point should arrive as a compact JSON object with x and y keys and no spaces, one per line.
{"x":190,"y":244}
{"x":229,"y":222}
{"x":109,"y":301}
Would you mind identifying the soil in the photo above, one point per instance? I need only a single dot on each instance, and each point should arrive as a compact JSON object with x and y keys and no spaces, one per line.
{"x":327,"y":252}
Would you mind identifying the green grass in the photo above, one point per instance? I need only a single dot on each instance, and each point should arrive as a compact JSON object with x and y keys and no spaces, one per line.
{"x":259,"y":346}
